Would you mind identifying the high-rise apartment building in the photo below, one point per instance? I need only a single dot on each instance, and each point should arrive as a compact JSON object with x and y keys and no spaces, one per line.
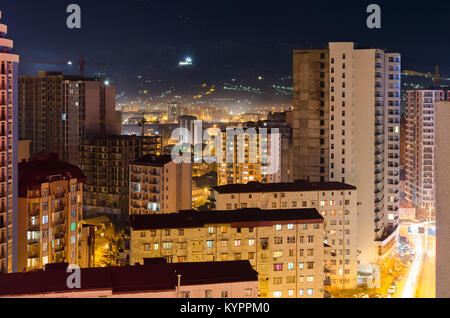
{"x":310,"y":118}
{"x":420,"y":147}
{"x":159,"y":185}
{"x":105,"y":162}
{"x":56,"y":111}
{"x":348,"y":105}
{"x":9,"y":64}
{"x":335,"y":201}
{"x":50,"y":212}
{"x":285,"y":247}
{"x":248,"y":154}
{"x":442,"y":179}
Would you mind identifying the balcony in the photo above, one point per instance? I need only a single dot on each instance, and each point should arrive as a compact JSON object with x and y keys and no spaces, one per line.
{"x":59,"y":248}
{"x":34,"y":227}
{"x":60,"y":208}
{"x":59,"y":221}
{"x":60,"y":235}
{"x":33,"y":212}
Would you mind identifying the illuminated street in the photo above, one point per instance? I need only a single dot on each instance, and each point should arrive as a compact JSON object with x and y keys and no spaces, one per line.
{"x":419,"y":280}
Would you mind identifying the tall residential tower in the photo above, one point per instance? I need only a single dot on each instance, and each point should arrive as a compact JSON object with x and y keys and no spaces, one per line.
{"x":9,"y":64}
{"x":347,"y":119}
{"x":420,"y":148}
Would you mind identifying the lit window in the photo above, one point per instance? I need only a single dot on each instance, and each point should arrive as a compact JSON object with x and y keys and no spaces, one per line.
{"x":277,"y":294}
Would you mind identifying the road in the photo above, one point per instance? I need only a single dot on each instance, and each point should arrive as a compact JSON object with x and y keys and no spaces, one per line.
{"x":420,"y":278}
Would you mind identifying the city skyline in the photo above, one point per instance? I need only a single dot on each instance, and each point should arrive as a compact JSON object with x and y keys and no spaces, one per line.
{"x":223,"y":43}
{"x":182,"y":138}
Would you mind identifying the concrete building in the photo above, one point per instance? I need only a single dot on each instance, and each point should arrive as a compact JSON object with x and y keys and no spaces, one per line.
{"x":442,"y":179}
{"x":9,"y":71}
{"x":159,"y":185}
{"x":154,"y":279}
{"x":285,"y":247}
{"x":50,"y":211}
{"x":335,"y":201}
{"x":420,"y":148}
{"x":105,"y":162}
{"x":286,"y":158}
{"x":356,"y":93}
{"x":310,"y":117}
{"x":57,"y":111}
{"x":249,"y":155}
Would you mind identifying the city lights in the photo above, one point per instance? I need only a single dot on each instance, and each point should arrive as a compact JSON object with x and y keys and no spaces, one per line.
{"x":224,"y":151}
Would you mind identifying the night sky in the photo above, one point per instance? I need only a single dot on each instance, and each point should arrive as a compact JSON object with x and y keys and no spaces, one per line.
{"x":244,"y":37}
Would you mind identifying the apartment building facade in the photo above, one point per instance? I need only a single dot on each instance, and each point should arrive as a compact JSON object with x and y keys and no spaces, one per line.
{"x":9,"y":72}
{"x":285,"y":247}
{"x":50,"y":212}
{"x":160,"y":185}
{"x":249,"y":155}
{"x":360,"y":91}
{"x":335,"y":201}
{"x":57,"y":111}
{"x":420,"y":148}
{"x":105,"y":162}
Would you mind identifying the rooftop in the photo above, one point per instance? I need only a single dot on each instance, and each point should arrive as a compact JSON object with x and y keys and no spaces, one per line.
{"x":41,"y":168}
{"x":152,"y":276}
{"x":192,"y":218}
{"x":298,"y":185}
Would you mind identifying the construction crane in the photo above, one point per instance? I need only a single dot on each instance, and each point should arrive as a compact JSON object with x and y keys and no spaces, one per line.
{"x":437,"y":78}
{"x":81,"y":63}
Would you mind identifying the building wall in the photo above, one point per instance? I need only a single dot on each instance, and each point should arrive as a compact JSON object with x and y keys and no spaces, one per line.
{"x":420,"y":148}
{"x":366,"y":137}
{"x":442,"y":155}
{"x":105,"y":162}
{"x":23,"y":150}
{"x":224,"y":242}
{"x":56,"y":111}
{"x":310,"y":117}
{"x":254,"y":157}
{"x":160,"y":189}
{"x":56,"y":239}
{"x":340,"y":211}
{"x":8,"y":159}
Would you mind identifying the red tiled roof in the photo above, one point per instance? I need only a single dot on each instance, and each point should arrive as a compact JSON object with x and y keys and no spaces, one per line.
{"x":153,"y":276}
{"x":33,"y":173}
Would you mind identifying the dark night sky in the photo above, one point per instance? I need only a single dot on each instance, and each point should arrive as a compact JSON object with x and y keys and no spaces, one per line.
{"x":135,"y":35}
